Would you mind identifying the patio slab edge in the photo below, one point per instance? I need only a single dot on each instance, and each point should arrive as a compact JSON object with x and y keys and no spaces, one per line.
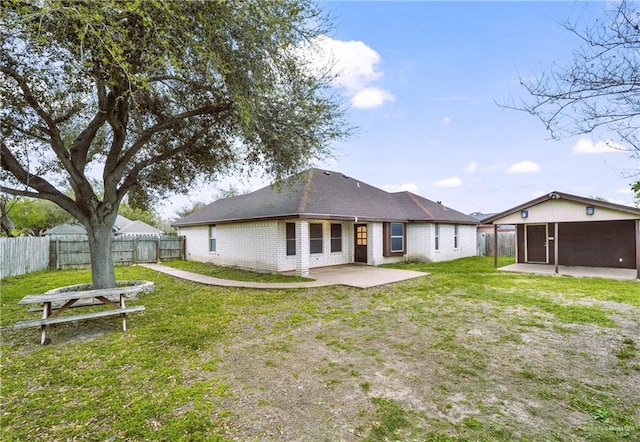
{"x":358,"y":278}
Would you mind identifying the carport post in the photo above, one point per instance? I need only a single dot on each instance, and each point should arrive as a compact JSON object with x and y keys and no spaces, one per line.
{"x":495,"y":246}
{"x":556,"y":245}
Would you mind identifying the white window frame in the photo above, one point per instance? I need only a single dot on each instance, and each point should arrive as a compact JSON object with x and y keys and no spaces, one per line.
{"x":392,"y":236}
{"x":212,"y":239}
{"x":315,"y":239}
{"x":456,"y":240}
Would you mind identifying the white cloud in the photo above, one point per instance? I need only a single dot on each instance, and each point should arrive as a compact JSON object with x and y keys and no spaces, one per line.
{"x":406,"y":187}
{"x":354,"y":65}
{"x":624,"y":191}
{"x":446,"y":121}
{"x":471,"y":168}
{"x":523,"y":167}
{"x":371,"y":97}
{"x":588,"y":147}
{"x":454,"y":181}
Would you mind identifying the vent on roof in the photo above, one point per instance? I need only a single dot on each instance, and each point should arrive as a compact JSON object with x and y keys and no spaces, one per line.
{"x":327,"y":173}
{"x":344,"y":176}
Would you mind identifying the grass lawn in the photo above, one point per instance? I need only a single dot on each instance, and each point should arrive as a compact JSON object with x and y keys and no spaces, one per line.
{"x":466,"y":354}
{"x":231,"y":273}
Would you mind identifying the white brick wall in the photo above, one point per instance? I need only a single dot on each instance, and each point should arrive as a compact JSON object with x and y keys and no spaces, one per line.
{"x":245,"y":245}
{"x":197,"y":243}
{"x":262,"y":245}
{"x":375,"y":242}
{"x":419,"y":240}
{"x":446,"y":251}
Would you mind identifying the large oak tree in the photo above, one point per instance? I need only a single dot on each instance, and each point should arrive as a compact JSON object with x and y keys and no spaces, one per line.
{"x":152,"y":95}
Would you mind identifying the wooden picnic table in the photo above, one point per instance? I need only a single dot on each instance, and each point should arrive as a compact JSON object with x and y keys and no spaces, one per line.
{"x":55,"y":304}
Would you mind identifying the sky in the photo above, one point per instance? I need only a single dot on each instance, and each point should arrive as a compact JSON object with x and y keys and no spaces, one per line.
{"x":422,"y":82}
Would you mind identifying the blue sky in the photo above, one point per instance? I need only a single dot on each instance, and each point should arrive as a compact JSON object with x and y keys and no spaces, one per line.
{"x":421,"y":81}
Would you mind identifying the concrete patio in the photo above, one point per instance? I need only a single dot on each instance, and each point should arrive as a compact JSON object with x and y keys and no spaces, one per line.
{"x":359,"y":276}
{"x":580,"y":272}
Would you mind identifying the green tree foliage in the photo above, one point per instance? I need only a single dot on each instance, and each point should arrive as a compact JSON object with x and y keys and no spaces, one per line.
{"x":154,"y":95}
{"x":31,"y":217}
{"x":190,"y":208}
{"x":599,"y":89}
{"x":135,"y":213}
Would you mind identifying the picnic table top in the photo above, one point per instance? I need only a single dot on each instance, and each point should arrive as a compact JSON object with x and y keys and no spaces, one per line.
{"x":79,"y":294}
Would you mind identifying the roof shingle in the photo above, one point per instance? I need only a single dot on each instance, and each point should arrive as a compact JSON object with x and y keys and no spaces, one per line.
{"x":322,"y":194}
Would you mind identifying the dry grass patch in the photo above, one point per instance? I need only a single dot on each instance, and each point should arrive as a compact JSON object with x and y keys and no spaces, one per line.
{"x":466,"y":354}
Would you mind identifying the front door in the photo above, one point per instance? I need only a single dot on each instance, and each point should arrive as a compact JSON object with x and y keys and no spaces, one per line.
{"x":536,"y":243}
{"x":361,"y":243}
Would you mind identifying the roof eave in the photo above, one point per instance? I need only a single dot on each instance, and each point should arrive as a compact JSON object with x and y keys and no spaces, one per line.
{"x":561,"y":195}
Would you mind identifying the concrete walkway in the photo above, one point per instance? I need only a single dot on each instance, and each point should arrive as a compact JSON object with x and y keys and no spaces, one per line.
{"x":581,"y":272}
{"x":351,"y":275}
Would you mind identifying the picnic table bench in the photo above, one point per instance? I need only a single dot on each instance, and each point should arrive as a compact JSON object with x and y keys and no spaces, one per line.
{"x":54,"y":304}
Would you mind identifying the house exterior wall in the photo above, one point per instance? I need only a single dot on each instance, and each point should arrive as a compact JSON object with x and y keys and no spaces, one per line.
{"x":467,"y":237}
{"x":421,"y":243}
{"x":262,"y":245}
{"x":562,"y":210}
{"x":375,"y":246}
{"x":196,"y":243}
{"x":599,"y":244}
{"x":253,"y":245}
{"x":594,"y":244}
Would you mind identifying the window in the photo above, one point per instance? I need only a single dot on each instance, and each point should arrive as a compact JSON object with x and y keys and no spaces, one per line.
{"x":336,"y":237}
{"x":397,"y":238}
{"x":291,"y":239}
{"x":212,"y":238}
{"x":315,"y":238}
{"x":361,"y":235}
{"x":455,"y":236}
{"x":437,"y":241}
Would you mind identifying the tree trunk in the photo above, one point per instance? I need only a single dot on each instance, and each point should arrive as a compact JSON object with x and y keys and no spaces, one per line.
{"x":102,"y":271}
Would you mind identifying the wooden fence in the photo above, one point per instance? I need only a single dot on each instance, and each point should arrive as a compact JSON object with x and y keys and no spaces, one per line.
{"x":127,"y":250}
{"x":506,"y":243}
{"x":23,"y":255}
{"x":29,"y":254}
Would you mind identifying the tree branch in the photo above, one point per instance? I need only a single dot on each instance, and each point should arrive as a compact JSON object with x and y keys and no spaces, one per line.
{"x":44,"y":189}
{"x":148,"y":134}
{"x":132,"y":176}
{"x":52,"y":129}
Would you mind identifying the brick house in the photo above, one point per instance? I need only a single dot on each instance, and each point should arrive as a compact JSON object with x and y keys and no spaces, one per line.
{"x":569,"y":230}
{"x":322,"y":218}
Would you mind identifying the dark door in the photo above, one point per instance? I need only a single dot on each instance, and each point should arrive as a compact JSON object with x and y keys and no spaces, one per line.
{"x":537,"y":243}
{"x":361,"y":243}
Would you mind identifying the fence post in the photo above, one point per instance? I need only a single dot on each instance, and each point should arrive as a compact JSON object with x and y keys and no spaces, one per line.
{"x":135,"y":250}
{"x":57,"y":254}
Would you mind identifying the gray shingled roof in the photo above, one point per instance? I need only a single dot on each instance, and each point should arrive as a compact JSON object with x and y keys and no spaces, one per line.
{"x":321,"y":194}
{"x":66,"y":229}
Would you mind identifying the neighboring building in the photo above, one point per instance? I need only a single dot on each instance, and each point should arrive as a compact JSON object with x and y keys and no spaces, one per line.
{"x":321,"y":218}
{"x":122,"y":227}
{"x":125,"y":227}
{"x":563,"y":229}
{"x":66,"y":231}
{"x":488,"y":228}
